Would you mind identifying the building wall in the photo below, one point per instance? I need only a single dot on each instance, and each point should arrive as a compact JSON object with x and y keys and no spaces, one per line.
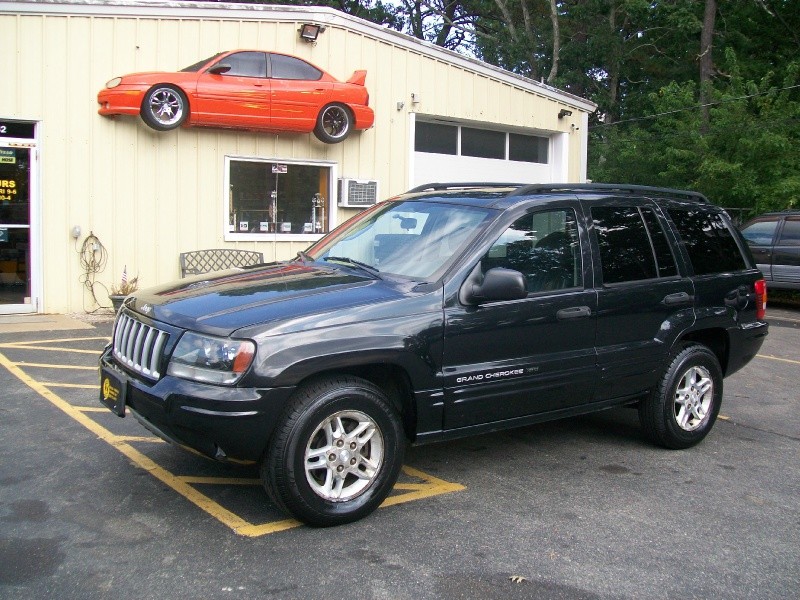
{"x":150,"y":195}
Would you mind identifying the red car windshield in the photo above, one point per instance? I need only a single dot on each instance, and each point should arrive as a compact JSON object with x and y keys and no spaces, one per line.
{"x":198,"y":65}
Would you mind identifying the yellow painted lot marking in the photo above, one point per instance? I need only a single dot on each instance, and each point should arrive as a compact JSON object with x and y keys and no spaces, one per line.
{"x":51,"y":366}
{"x":26,"y":346}
{"x":82,"y":386}
{"x":770,"y":357}
{"x":150,"y":439}
{"x":221,"y":480}
{"x":428,"y":485}
{"x":33,"y":343}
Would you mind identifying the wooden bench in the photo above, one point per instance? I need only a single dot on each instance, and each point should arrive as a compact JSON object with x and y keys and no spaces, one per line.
{"x":197,"y":262}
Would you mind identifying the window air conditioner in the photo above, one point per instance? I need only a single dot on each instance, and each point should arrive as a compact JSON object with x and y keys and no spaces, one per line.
{"x":357,"y":193}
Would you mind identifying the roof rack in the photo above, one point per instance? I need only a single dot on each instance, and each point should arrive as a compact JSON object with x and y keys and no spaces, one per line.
{"x":608,"y":187}
{"x":432,"y":187}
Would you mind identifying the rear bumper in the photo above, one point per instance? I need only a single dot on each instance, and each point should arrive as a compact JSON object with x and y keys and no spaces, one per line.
{"x":364,"y":116}
{"x":745,"y":342}
{"x":224,"y":423}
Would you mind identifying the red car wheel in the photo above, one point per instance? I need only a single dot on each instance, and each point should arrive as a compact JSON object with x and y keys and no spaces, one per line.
{"x":334,"y":123}
{"x":164,"y":107}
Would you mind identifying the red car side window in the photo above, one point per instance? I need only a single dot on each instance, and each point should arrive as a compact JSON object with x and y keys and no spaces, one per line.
{"x":288,"y":67}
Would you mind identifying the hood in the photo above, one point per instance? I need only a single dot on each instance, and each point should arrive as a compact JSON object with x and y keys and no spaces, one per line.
{"x":153,"y":77}
{"x":223,"y":302}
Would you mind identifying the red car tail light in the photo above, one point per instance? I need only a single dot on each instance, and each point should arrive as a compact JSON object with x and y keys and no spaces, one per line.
{"x":761,"y":299}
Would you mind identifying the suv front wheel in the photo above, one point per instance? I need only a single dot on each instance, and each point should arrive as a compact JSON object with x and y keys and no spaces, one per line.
{"x":682,"y":408}
{"x":337,"y":454}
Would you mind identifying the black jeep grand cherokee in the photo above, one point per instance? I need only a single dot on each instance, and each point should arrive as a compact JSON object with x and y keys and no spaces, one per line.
{"x":447,"y":311}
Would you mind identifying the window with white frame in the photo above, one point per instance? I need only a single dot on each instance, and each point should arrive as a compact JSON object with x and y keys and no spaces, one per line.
{"x":458,"y":140}
{"x":268,"y":197}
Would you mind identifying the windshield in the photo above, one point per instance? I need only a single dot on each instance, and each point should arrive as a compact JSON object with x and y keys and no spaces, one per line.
{"x":416,"y":239}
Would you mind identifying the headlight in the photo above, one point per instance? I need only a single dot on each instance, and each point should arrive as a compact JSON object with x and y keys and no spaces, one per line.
{"x":112,"y":83}
{"x":210,"y":359}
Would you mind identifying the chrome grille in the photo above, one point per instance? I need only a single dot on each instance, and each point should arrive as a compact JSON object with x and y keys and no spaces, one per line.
{"x":139,"y":346}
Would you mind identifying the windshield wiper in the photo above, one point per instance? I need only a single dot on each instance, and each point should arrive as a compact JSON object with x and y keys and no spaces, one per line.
{"x":304,"y":258}
{"x":355,"y":263}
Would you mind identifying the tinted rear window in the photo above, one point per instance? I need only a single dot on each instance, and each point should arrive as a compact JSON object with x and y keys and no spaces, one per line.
{"x":709,"y":241}
{"x":625,"y":250}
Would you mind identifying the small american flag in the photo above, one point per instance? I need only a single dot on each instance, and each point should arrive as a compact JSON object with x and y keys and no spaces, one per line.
{"x":124,"y":274}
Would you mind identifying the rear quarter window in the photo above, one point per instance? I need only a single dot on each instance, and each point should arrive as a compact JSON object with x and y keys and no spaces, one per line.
{"x":790,"y":236}
{"x":760,"y":233}
{"x":709,"y":241}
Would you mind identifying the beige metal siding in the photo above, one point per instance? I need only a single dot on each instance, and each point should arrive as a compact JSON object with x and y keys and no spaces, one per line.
{"x":149,"y":195}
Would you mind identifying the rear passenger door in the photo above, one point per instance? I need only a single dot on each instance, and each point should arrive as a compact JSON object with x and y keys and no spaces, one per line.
{"x":513,"y":359}
{"x":786,"y":255}
{"x":760,"y":235}
{"x":643,"y":299}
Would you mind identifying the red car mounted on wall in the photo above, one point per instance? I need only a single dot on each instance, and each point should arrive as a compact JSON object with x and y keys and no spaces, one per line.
{"x":244,"y":89}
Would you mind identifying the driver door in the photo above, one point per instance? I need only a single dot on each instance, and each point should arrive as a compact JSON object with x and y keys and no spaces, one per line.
{"x":514,"y":359}
{"x":238,"y":97}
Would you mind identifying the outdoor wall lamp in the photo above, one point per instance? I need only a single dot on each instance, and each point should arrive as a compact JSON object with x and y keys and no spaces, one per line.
{"x":564,"y":113}
{"x":309,"y":32}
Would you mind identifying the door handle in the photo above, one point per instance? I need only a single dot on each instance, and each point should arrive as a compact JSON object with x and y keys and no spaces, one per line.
{"x":574,"y":312}
{"x":679,"y":298}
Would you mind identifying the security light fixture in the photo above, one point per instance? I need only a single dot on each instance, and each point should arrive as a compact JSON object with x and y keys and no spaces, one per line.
{"x":564,"y":113}
{"x":309,"y":32}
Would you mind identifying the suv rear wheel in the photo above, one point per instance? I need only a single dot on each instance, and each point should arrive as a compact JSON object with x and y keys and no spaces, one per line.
{"x":337,"y":454}
{"x":681,"y":410}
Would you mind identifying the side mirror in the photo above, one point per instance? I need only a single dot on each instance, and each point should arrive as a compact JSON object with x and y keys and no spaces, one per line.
{"x":219,"y":69}
{"x":498,"y":285}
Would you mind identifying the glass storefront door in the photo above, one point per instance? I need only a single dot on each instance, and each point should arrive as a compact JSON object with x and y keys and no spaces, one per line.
{"x":17,"y":166}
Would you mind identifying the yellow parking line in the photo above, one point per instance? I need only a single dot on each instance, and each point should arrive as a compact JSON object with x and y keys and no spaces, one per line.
{"x":250,"y":530}
{"x":53,"y":341}
{"x":431,"y":486}
{"x":788,"y":360}
{"x":220,"y":480}
{"x":51,"y":366}
{"x":20,"y":346}
{"x":138,"y":438}
{"x":202,"y":501}
{"x":82,"y":386}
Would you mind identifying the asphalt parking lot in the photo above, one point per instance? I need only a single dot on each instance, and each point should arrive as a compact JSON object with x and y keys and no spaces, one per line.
{"x":93,"y":506}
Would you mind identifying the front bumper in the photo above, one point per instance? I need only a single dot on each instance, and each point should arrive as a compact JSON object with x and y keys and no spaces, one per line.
{"x":121,"y":100}
{"x":224,"y":423}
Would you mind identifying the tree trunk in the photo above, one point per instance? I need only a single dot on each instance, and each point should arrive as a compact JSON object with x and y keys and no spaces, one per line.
{"x":706,"y":62}
{"x":556,"y":42}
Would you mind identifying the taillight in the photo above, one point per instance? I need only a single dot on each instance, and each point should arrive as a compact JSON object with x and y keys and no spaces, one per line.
{"x":761,"y":299}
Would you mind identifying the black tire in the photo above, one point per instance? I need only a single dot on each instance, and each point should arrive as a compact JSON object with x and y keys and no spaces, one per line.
{"x":164,"y":107}
{"x":305,"y":464}
{"x":334,"y":123}
{"x":683,"y":407}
